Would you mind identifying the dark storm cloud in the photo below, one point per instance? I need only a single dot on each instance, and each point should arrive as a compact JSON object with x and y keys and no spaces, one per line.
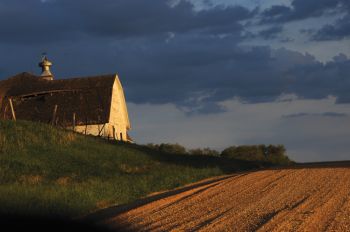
{"x":271,"y":32}
{"x":193,"y":68}
{"x":33,"y":22}
{"x":339,"y":30}
{"x":164,"y":53}
{"x":317,"y":79}
{"x":142,"y":17}
{"x":200,"y":71}
{"x":301,"y":9}
{"x":38,"y":21}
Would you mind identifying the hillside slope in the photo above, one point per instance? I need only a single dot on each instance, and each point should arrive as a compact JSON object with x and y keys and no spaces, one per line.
{"x":300,"y":199}
{"x":48,"y":171}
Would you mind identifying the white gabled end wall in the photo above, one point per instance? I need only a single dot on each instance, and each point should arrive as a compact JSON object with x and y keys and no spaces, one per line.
{"x":118,"y":124}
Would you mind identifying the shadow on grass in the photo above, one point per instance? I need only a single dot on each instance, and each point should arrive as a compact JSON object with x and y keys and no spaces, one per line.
{"x":104,"y":214}
{"x":16,"y":222}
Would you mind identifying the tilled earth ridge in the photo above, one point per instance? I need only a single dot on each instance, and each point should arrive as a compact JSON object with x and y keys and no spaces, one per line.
{"x":315,"y":199}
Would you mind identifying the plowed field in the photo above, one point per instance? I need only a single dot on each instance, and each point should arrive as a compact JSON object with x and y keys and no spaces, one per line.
{"x":300,"y":199}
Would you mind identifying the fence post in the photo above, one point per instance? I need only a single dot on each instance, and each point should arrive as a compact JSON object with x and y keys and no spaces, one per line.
{"x":12,"y":110}
{"x":74,"y":121}
{"x":54,"y":114}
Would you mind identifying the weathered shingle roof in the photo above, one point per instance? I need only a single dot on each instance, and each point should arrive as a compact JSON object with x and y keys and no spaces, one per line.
{"x":34,"y":99}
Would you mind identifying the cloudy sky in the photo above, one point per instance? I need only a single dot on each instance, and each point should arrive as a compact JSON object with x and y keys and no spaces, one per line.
{"x":203,"y":73}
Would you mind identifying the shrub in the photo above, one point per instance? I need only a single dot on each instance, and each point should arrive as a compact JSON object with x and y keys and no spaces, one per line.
{"x":152,"y":146}
{"x":244,"y":153}
{"x":172,"y":148}
{"x":274,"y":154}
{"x":206,"y":151}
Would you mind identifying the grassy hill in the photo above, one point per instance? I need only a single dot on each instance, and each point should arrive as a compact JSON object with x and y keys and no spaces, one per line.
{"x":53,"y":172}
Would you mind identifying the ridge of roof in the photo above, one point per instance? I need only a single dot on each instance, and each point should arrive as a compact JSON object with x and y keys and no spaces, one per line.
{"x":26,"y":83}
{"x":30,"y":75}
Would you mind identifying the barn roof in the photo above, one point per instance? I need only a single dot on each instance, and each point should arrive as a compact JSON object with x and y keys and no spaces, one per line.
{"x":35,"y":99}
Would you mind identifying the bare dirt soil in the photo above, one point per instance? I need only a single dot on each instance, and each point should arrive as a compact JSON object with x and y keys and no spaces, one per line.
{"x":304,"y":198}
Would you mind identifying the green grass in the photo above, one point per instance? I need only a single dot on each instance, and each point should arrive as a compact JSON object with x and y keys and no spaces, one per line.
{"x":46,"y":171}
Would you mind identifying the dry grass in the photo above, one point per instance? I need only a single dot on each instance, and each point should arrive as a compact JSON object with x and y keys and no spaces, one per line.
{"x":128,"y":169}
{"x":17,"y":136}
{"x":63,"y":181}
{"x":103,"y":204}
{"x":31,"y":179}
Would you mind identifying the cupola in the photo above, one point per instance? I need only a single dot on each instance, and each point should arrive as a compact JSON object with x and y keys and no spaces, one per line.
{"x":45,"y":65}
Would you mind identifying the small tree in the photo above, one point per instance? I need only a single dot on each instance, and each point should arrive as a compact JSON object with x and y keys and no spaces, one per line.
{"x":172,"y":148}
{"x":245,"y":152}
{"x":229,"y":152}
{"x":210,"y":152}
{"x":152,"y":146}
{"x":196,"y":151}
{"x":206,"y":151}
{"x":274,"y":154}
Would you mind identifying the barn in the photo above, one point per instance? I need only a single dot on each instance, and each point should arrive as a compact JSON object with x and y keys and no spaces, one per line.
{"x":90,"y":105}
